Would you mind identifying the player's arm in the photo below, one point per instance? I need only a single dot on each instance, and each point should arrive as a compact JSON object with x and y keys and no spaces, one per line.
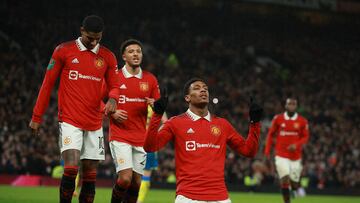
{"x":112,"y":81}
{"x":269,"y":137}
{"x":54,"y":68}
{"x":304,"y":135}
{"x":119,"y":115}
{"x":155,"y":95}
{"x":155,"y":138}
{"x":248,"y":147}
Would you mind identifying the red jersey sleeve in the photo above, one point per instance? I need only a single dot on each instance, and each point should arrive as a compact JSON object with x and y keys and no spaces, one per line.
{"x":304,"y":134}
{"x":104,"y":94}
{"x":269,"y":139}
{"x":112,"y":78}
{"x":156,"y":139}
{"x":248,"y":147}
{"x":54,"y":68}
{"x":155,"y":90}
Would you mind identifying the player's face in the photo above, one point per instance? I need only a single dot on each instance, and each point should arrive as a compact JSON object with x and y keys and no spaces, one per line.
{"x":90,"y":39}
{"x":133,"y":55}
{"x":291,"y":105}
{"x":198,"y":93}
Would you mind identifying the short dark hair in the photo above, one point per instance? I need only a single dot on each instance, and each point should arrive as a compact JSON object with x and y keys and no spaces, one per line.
{"x":292,"y":97}
{"x":93,"y":23}
{"x":128,"y":42}
{"x":189,"y":82}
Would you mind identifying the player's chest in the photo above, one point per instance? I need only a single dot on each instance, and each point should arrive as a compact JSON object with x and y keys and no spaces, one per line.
{"x":86,"y":64}
{"x":200,"y":137}
{"x":290,"y":125}
{"x":201,"y":131}
{"x":135,"y":88}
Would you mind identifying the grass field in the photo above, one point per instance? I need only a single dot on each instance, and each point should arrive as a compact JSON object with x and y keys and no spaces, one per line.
{"x":10,"y":194}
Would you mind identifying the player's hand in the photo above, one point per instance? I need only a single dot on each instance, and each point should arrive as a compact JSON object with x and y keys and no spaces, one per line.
{"x":150,"y":101}
{"x":34,"y":127}
{"x":110,"y":106}
{"x":255,"y":111}
{"x":161,"y":104}
{"x":119,"y":115}
{"x":292,"y":147}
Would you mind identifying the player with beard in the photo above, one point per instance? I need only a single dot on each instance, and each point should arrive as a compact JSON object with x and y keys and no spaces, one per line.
{"x":83,"y":65}
{"x":291,"y":132}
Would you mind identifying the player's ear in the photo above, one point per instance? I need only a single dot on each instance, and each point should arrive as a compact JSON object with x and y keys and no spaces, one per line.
{"x":82,"y":30}
{"x":187,"y":98}
{"x":123,"y":57}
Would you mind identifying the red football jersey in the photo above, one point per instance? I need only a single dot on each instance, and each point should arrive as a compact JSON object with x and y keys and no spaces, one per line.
{"x":200,"y":151}
{"x":287,"y":131}
{"x":133,"y":90}
{"x":81,"y":72}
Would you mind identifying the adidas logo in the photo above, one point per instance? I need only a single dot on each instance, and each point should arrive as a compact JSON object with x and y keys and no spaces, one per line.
{"x":190,"y":130}
{"x":123,"y":86}
{"x":75,"y":60}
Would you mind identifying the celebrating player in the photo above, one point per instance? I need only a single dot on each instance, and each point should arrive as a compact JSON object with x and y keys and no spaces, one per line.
{"x":138,"y":89}
{"x":291,"y":132}
{"x":82,"y":65}
{"x":200,"y":141}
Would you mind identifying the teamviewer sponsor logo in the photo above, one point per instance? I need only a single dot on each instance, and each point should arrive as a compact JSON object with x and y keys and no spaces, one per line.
{"x":73,"y":75}
{"x":190,"y":145}
{"x":123,"y":99}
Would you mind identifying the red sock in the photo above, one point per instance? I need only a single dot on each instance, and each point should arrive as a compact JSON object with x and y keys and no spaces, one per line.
{"x":67,"y":185}
{"x":285,"y":192}
{"x":87,"y":193}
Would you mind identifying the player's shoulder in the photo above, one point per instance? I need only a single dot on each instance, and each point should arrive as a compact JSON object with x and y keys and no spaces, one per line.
{"x":278,"y":116}
{"x":302,"y":118}
{"x":148,"y":74}
{"x":219,"y":120}
{"x":105,"y":51}
{"x":178,"y":118}
{"x":65,"y":45}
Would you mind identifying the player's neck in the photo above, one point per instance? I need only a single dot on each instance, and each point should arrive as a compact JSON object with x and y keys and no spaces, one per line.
{"x":202,"y":112}
{"x":133,"y":70}
{"x":290,"y":114}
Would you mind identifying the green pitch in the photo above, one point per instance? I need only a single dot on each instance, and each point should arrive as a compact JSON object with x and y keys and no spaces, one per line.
{"x":10,"y":194}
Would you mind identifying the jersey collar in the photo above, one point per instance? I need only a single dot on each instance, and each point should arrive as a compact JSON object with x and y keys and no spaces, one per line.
{"x":195,"y":117}
{"x":129,"y":75}
{"x":294,"y":117}
{"x":82,"y":47}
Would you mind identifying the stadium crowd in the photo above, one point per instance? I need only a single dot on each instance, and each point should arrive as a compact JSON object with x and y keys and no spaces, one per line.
{"x":241,"y":56}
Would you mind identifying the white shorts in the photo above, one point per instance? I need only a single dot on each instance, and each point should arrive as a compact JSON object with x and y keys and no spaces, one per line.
{"x":183,"y":199}
{"x":127,"y":156}
{"x":285,"y":167}
{"x":89,"y":143}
